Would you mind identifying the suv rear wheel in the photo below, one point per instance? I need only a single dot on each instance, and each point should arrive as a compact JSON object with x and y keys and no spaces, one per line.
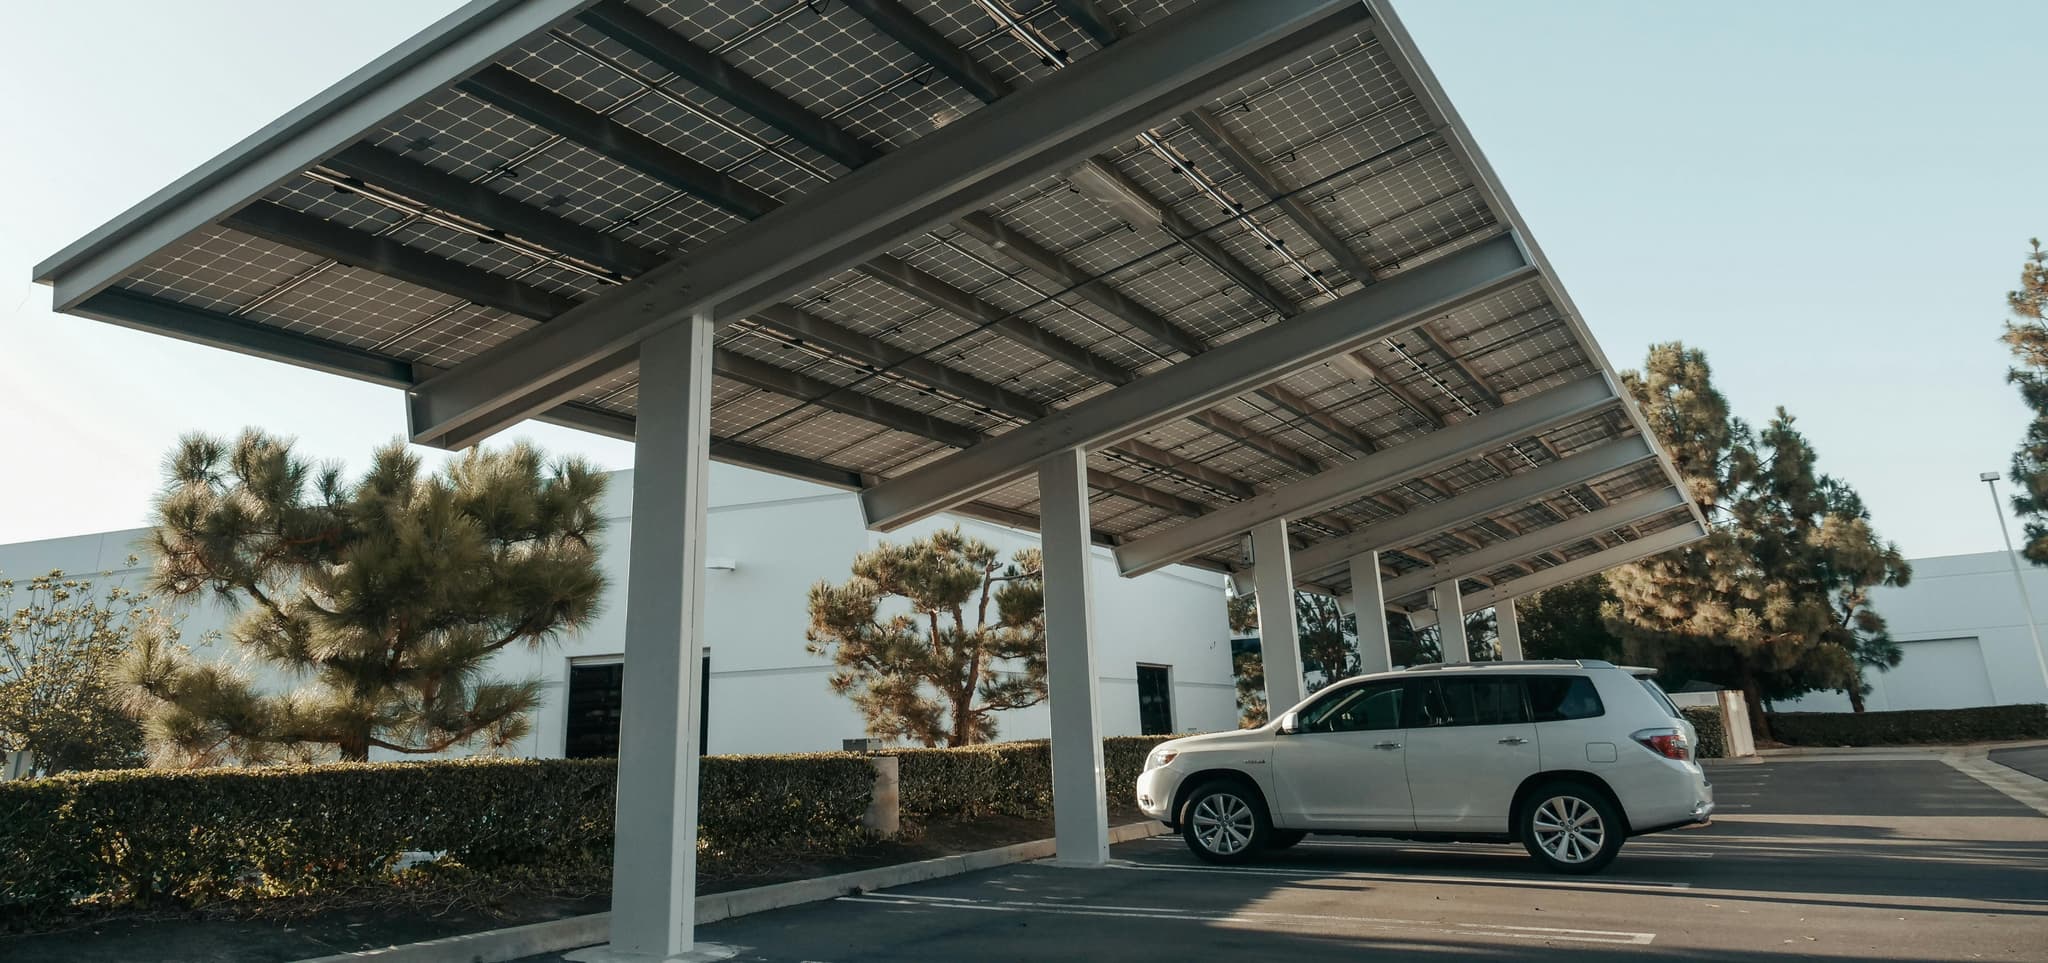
{"x":1226,"y":822}
{"x":1571,"y":827}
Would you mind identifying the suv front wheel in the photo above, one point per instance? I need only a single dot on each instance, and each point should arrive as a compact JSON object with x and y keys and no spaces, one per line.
{"x":1226,"y":822}
{"x":1571,"y":827}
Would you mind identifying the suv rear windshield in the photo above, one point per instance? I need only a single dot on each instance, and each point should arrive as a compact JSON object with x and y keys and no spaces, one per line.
{"x":1556,"y":698}
{"x":1657,"y":693}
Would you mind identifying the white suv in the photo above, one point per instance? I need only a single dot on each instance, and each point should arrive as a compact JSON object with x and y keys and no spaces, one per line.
{"x":1569,"y":757}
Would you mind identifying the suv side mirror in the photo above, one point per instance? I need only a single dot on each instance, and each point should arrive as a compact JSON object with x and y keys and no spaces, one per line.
{"x":1290,"y":724}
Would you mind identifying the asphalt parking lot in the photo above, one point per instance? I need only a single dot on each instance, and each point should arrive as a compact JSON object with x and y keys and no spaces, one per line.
{"x":1845,"y":859}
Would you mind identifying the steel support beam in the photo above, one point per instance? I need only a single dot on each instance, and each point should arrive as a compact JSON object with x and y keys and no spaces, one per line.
{"x":648,"y":38}
{"x":1195,"y":384}
{"x":514,"y":94}
{"x":1135,"y":206}
{"x":1576,"y":529}
{"x":1353,"y":479}
{"x":1279,"y":636}
{"x":1509,"y":626}
{"x":654,"y":859}
{"x":438,"y":189}
{"x":1369,"y":609}
{"x":1509,"y":492}
{"x":1080,"y":812}
{"x":1091,"y":18}
{"x":452,"y":47}
{"x":1180,"y":60}
{"x":932,"y":47}
{"x":1211,"y":130}
{"x":918,"y":284}
{"x":389,"y":257}
{"x":1022,"y":249}
{"x":1450,"y":623}
{"x":1655,"y":543}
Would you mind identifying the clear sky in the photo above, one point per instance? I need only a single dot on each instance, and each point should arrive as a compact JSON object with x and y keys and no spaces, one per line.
{"x":1831,"y":197}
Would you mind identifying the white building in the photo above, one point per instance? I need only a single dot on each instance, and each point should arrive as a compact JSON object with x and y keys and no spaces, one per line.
{"x":1964,"y":632}
{"x":771,"y":538}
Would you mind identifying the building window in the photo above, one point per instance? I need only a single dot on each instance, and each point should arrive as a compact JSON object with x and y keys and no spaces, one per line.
{"x":1155,"y":699}
{"x":594,"y":692}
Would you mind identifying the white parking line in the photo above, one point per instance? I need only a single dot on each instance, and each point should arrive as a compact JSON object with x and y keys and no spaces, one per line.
{"x":1542,"y":882}
{"x":1448,"y":851}
{"x":1444,"y":928}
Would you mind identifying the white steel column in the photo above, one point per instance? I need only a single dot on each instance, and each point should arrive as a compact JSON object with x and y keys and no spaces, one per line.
{"x":1510,"y":629}
{"x":654,"y":860}
{"x":1080,"y":812}
{"x":1450,"y":622}
{"x":1279,"y":639}
{"x":1375,"y":650}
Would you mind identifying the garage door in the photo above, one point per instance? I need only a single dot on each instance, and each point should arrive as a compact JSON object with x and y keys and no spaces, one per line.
{"x":1936,"y":674}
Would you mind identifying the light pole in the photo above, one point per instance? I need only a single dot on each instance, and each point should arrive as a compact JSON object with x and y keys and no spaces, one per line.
{"x":1990,"y":479}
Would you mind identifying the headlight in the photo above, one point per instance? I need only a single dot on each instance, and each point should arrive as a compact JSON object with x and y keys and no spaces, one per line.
{"x":1160,"y":757}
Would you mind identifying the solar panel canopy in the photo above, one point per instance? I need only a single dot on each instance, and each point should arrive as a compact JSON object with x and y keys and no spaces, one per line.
{"x":526,"y":159}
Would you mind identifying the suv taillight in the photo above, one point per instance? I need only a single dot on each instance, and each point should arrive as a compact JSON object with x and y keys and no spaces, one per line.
{"x":1669,"y":743}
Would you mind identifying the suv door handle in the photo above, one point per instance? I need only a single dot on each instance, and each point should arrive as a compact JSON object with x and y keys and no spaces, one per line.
{"x":1387,"y":745}
{"x":1514,"y":741}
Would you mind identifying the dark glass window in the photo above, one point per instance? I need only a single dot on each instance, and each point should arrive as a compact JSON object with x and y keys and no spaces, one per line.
{"x":1360,"y":708}
{"x":1472,"y":702}
{"x":1155,"y":700}
{"x":1657,"y":693}
{"x":594,"y":692}
{"x":1556,"y":698}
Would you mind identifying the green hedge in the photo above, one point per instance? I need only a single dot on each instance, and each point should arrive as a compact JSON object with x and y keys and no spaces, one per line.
{"x":1706,"y":720}
{"x":194,"y":837}
{"x":1984,"y":724}
{"x":1008,"y":778}
{"x":188,"y":838}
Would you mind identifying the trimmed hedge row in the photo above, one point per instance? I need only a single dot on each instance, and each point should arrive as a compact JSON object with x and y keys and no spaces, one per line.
{"x":1008,"y":778}
{"x":194,"y":837}
{"x":189,"y":838}
{"x":1706,"y":720}
{"x":1982,"y":724}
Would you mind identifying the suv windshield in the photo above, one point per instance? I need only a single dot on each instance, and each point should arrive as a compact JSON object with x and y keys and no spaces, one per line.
{"x":1657,"y":693}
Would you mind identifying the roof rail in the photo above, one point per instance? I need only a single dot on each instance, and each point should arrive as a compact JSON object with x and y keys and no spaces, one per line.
{"x":1440,"y":666}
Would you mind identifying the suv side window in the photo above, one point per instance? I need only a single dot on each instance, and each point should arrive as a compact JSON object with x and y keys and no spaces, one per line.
{"x":1483,"y":701}
{"x":1361,"y":708}
{"x":1557,"y":698}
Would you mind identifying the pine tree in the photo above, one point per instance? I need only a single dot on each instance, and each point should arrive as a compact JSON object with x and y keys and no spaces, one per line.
{"x":386,"y":597}
{"x":1563,"y":622}
{"x":1250,"y":671}
{"x":1757,"y":603}
{"x":2028,"y":338}
{"x":1855,"y":561}
{"x":931,"y":676}
{"x":1329,"y":639}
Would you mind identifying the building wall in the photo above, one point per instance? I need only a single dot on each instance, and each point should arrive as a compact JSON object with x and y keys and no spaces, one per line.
{"x":1964,"y":632}
{"x":767,"y":694}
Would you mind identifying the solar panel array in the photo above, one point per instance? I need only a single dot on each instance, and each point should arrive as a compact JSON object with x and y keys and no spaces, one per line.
{"x":1368,"y":185}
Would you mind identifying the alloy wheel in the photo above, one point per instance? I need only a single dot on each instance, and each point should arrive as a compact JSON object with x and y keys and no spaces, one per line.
{"x":1223,"y":823}
{"x":1569,"y":829}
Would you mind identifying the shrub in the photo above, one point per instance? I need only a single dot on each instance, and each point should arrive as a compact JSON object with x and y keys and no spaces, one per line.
{"x":1706,"y":720}
{"x":1008,"y":778}
{"x":193,"y":837}
{"x":1983,"y":724}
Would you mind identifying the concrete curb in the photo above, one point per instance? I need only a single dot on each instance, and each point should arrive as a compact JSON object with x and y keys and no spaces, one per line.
{"x":552,"y":936}
{"x":2021,"y":787}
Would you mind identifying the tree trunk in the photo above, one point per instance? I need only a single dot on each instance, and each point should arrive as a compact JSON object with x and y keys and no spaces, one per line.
{"x":355,"y":746}
{"x":1856,"y":697}
{"x":1753,"y":696}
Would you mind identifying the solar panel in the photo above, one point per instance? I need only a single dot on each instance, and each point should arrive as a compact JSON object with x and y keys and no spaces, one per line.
{"x":1325,"y":173}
